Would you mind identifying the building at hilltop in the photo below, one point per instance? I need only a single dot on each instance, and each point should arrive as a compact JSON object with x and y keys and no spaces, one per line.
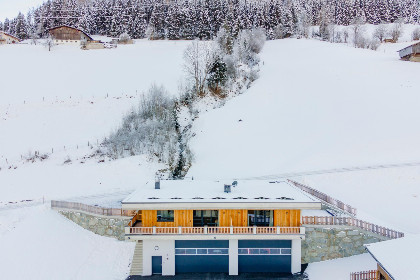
{"x":7,"y":38}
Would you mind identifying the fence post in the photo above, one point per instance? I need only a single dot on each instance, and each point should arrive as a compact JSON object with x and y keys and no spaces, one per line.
{"x":154,"y":230}
{"x":254,"y":229}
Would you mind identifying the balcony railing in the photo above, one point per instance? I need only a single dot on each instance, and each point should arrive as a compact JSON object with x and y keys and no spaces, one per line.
{"x":214,"y":230}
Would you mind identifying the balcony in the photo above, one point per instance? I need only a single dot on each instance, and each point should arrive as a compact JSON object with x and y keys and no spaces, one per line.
{"x":214,"y":230}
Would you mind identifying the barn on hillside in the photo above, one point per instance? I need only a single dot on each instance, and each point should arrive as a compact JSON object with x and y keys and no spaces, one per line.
{"x":68,"y":35}
{"x":7,"y":38}
{"x":411,"y":53}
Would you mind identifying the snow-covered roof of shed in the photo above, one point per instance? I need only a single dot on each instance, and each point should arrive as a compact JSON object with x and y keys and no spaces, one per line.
{"x":213,"y":191}
{"x":399,"y":257}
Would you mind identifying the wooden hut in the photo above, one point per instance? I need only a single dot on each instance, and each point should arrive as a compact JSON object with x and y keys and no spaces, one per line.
{"x":7,"y":38}
{"x":410,"y":53}
{"x":68,"y":35}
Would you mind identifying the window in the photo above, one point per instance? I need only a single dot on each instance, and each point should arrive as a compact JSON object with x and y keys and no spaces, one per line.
{"x":205,"y":217}
{"x":165,"y":215}
{"x":264,"y":251}
{"x":260,"y":218}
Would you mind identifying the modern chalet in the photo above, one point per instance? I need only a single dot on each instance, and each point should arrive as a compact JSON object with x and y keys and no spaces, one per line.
{"x":190,"y":226}
{"x":68,"y":35}
{"x":7,"y":38}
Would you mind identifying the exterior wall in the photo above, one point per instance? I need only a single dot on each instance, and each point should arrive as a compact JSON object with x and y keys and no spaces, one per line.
{"x":164,"y":248}
{"x":94,"y":46}
{"x":415,"y":58}
{"x":6,"y":39}
{"x":332,"y":242}
{"x":181,"y":218}
{"x":102,"y":225}
{"x":287,"y":218}
{"x":227,"y":217}
{"x":236,"y":218}
{"x":296,"y":255}
{"x":233,"y":257}
{"x":383,"y":273}
{"x":66,"y":34}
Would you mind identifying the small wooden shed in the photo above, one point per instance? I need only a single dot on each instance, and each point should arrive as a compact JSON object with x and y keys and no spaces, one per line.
{"x":411,"y":53}
{"x":7,"y":38}
{"x":68,"y":35}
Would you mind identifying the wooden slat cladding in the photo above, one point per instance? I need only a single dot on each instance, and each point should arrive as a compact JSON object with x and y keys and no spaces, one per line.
{"x":66,"y":33}
{"x":287,"y":218}
{"x":182,"y":218}
{"x":236,"y":218}
{"x":227,"y":218}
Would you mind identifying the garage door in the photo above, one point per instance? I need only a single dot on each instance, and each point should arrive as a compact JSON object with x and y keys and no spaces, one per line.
{"x":264,"y":256}
{"x":201,"y":256}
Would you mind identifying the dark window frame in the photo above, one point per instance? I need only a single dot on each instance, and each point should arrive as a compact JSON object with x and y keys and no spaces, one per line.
{"x":165,"y":215}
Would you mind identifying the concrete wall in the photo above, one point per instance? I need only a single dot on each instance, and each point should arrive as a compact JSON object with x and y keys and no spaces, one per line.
{"x":332,"y":242}
{"x":111,"y":226}
{"x":164,"y":248}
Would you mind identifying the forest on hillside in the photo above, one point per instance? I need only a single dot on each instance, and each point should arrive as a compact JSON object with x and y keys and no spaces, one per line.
{"x":191,"y":19}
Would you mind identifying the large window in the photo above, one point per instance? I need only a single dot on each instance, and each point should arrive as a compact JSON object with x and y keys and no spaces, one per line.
{"x":262,"y":218}
{"x":205,"y":218}
{"x":165,"y":215}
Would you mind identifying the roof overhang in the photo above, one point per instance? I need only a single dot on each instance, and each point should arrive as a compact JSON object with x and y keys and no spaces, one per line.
{"x":379,"y":263}
{"x":221,"y":205}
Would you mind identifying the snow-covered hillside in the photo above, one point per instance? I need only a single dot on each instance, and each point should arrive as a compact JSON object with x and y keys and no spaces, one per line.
{"x":68,"y":97}
{"x":315,"y":106}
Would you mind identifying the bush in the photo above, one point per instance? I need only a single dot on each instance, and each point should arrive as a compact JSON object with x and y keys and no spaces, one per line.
{"x":416,"y":34}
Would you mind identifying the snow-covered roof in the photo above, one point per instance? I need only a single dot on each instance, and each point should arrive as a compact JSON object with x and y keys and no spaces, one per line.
{"x":75,"y":28}
{"x":7,"y":34}
{"x":195,"y":191}
{"x":398,"y":257}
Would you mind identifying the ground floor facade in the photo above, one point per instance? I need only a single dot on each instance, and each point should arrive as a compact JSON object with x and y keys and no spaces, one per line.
{"x":221,"y":255}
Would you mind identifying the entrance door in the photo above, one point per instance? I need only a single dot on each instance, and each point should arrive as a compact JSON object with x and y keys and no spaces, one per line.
{"x":156,"y":264}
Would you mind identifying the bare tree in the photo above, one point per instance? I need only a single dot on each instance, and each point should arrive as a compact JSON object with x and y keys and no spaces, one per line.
{"x":49,"y":42}
{"x":198,"y":59}
{"x":358,"y":32}
{"x":416,"y":34}
{"x":380,"y":32}
{"x":396,"y":30}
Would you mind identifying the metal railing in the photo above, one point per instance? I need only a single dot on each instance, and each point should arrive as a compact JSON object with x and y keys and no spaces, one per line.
{"x":215,"y":230}
{"x":91,"y":208}
{"x":364,"y":275}
{"x":326,"y":198}
{"x":348,"y":221}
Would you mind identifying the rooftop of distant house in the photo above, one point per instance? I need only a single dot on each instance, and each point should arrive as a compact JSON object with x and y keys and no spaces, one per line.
{"x":398,"y":257}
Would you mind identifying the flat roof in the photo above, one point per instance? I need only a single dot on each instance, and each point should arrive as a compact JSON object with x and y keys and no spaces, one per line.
{"x":190,"y":192}
{"x":398,"y":257}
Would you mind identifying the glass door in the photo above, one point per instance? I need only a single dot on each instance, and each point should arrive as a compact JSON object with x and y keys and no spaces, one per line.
{"x":205,"y":218}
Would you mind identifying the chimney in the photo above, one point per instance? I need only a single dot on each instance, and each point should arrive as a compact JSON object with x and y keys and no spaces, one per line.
{"x":227,"y":188}
{"x":157,"y":184}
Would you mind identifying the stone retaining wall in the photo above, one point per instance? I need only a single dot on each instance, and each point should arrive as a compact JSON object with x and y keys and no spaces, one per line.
{"x":332,"y":242}
{"x":112,"y":226}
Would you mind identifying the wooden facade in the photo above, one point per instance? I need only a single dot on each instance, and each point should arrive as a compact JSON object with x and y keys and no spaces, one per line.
{"x":67,"y":33}
{"x":227,"y":217}
{"x":382,"y":274}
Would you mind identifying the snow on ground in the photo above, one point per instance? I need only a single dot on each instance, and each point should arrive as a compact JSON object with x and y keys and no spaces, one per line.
{"x":68,"y":96}
{"x":316,"y":105}
{"x":37,"y":243}
{"x":382,"y":196}
{"x":340,"y":269}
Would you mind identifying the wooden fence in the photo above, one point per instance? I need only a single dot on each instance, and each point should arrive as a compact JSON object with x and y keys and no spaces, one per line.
{"x":348,"y":221}
{"x":364,"y":275}
{"x":326,"y":198}
{"x":216,"y":230}
{"x":91,"y":209}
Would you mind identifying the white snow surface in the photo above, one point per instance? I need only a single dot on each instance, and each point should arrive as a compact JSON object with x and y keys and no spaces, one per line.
{"x":68,"y":97}
{"x":398,"y":256}
{"x":340,"y":269}
{"x":207,"y":191}
{"x":38,"y":243}
{"x":316,"y":105}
